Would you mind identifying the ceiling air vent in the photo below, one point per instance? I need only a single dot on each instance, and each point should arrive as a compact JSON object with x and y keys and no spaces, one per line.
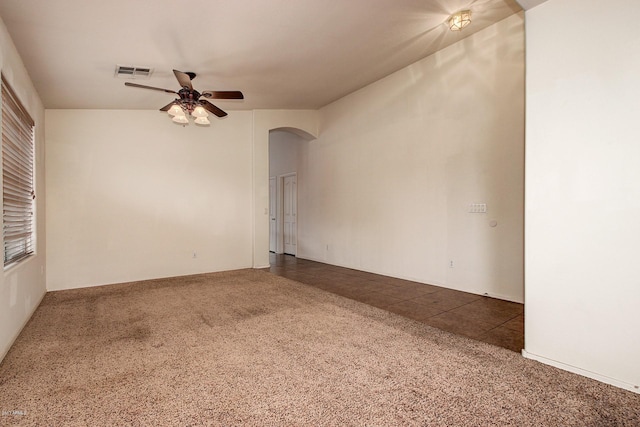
{"x":131,"y":72}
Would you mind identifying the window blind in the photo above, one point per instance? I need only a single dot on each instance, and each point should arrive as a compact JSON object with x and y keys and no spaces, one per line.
{"x":17,"y":178}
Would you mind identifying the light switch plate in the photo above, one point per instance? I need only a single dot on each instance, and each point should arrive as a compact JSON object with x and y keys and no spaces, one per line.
{"x":478,"y":208}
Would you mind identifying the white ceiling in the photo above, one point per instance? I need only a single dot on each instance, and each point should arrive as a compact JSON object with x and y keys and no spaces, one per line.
{"x":289,"y":54}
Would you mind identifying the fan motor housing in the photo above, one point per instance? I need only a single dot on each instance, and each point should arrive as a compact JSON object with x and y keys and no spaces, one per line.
{"x":188,"y":98}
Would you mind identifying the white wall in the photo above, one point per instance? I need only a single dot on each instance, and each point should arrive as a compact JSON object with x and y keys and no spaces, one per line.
{"x":133,"y":195}
{"x":23,"y":286}
{"x":388,"y":182}
{"x":583,"y":188}
{"x":284,"y":147}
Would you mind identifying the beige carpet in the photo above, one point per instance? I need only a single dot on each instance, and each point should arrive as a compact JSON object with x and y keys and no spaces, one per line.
{"x":251,"y":348}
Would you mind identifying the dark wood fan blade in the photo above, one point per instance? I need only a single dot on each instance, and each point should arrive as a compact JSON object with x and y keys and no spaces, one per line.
{"x":224,"y":94}
{"x":212,"y":108}
{"x":149,"y":87}
{"x":166,"y":107}
{"x":184,"y":79}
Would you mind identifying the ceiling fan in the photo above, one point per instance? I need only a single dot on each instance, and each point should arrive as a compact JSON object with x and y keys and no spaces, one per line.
{"x":190,"y":100}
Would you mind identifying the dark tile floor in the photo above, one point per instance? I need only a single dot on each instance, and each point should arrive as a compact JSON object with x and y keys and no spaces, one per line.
{"x":482,"y":318}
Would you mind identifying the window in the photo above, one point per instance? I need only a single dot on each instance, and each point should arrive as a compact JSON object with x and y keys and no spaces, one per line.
{"x":17,"y":178}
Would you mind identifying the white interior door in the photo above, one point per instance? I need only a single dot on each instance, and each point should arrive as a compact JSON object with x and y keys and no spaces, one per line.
{"x":273,"y":224}
{"x":290,"y":202}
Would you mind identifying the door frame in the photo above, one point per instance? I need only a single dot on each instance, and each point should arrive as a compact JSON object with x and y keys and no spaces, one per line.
{"x":273,"y":201}
{"x":281,"y":211}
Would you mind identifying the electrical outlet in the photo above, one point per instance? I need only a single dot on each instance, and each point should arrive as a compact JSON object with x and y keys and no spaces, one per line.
{"x":195,"y":255}
{"x":451,"y":264}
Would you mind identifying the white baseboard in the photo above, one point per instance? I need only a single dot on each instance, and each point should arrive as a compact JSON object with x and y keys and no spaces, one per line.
{"x":259,"y":267}
{"x":499,"y":296}
{"x":5,"y":351}
{"x":598,"y":377}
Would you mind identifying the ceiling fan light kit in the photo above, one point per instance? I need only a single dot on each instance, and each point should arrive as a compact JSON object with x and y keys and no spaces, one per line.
{"x":190,"y":102}
{"x":175,"y":110}
{"x":202,"y":121}
{"x":180,"y":119}
{"x":459,"y":20}
{"x":199,"y":112}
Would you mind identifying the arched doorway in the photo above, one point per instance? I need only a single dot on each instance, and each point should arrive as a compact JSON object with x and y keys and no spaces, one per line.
{"x":286,"y":146}
{"x":304,"y":124}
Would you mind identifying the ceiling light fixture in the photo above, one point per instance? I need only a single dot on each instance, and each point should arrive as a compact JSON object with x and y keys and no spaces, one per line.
{"x":202,"y":121}
{"x":187,"y":106}
{"x":459,"y":20}
{"x":175,"y":110}
{"x":180,"y":119}
{"x":199,"y":111}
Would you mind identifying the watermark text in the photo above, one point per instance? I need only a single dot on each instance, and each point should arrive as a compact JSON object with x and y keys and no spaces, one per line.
{"x":14,"y":412}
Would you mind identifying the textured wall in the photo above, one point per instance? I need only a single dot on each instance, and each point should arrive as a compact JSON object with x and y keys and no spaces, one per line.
{"x":133,"y":196}
{"x":387,"y":185}
{"x":583,"y":189}
{"x":23,"y":286}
